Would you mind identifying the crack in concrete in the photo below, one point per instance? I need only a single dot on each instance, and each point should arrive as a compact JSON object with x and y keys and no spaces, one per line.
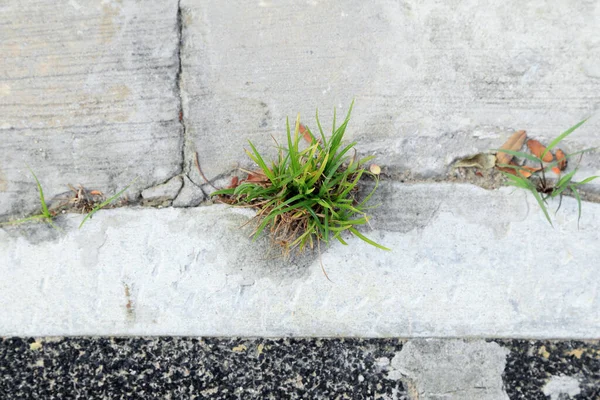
{"x":178,"y":86}
{"x":185,"y":162}
{"x":402,"y":176}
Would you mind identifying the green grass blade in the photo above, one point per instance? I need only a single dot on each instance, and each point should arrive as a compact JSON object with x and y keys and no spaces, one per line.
{"x":105,"y":203}
{"x":586,"y":180}
{"x":326,"y":225}
{"x":223,"y":192}
{"x":41,"y":192}
{"x":339,"y":238}
{"x":367,"y":240}
{"x":561,"y":137}
{"x":353,"y":184}
{"x":519,"y":181}
{"x":557,"y":191}
{"x":349,"y":222}
{"x":319,"y":171}
{"x":334,"y":116}
{"x":542,"y":205}
{"x":321,"y":130}
{"x":339,"y":156}
{"x":297,"y":137}
{"x":365,"y":160}
{"x":349,"y":111}
{"x":22,"y":220}
{"x":576,"y":194}
{"x":293,"y":156}
{"x":371,"y":193}
{"x":565,"y":179}
{"x":261,"y":163}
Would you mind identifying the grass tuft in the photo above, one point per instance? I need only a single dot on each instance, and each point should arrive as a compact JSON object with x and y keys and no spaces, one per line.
{"x":539,"y":185}
{"x":308,"y":193}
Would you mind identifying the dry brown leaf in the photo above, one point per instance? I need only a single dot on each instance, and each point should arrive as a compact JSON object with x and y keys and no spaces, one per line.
{"x":234,"y":182}
{"x":375,"y":169}
{"x":537,"y":149}
{"x":305,"y":134}
{"x":524,"y":174}
{"x":257,"y":177}
{"x":514,"y":143}
{"x":481,"y":160}
{"x":512,"y":171}
{"x":562,"y":159}
{"x":527,"y":171}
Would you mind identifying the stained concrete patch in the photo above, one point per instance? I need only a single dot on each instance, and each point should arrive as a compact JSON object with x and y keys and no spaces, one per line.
{"x":35,"y":232}
{"x":432,"y":83}
{"x":404,"y":207}
{"x":87,"y":96}
{"x":196,"y":271}
{"x":433,"y":369}
{"x":559,"y":387}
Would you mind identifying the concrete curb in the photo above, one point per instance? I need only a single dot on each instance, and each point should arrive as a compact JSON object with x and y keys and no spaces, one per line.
{"x":466,"y":262}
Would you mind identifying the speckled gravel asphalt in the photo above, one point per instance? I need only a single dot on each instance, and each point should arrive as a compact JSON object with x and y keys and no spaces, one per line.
{"x":229,"y":368}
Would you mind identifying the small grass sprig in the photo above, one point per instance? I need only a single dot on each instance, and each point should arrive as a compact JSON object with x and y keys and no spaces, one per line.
{"x":45,"y":215}
{"x":536,"y":180}
{"x":105,"y":203}
{"x":308,"y":194}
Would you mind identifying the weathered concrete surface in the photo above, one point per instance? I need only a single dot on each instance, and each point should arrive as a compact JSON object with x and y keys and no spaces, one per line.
{"x":89,"y":92}
{"x":433,"y":80}
{"x":469,"y":262}
{"x":434,"y":369}
{"x":164,"y":194}
{"x":88,"y":95}
{"x":560,"y":386}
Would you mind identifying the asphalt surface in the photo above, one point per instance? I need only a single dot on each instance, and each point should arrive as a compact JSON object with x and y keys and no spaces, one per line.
{"x":232,"y":368}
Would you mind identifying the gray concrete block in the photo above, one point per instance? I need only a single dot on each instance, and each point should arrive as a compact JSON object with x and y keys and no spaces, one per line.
{"x":190,"y":195}
{"x":163,"y":194}
{"x":433,"y":81}
{"x":434,"y":369}
{"x":480,"y":263}
{"x":88,"y":96}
